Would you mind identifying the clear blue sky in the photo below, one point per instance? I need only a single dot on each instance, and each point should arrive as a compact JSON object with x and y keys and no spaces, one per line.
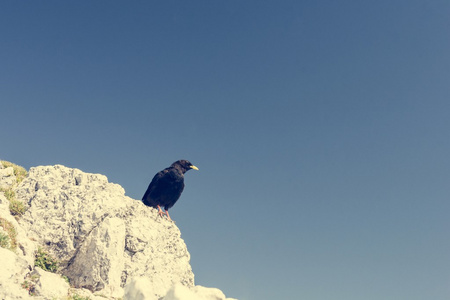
{"x":321,"y":130}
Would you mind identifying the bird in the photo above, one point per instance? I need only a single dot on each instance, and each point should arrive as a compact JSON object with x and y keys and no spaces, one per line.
{"x":166,"y":187}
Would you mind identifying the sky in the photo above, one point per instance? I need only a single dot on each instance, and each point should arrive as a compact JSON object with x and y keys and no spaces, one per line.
{"x":320,"y":128}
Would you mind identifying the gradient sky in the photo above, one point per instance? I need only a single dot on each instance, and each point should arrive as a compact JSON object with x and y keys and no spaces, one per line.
{"x":321,"y":130}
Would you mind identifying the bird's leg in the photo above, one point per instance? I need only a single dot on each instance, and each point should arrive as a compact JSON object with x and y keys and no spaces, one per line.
{"x":168,"y":217}
{"x":160,"y":212}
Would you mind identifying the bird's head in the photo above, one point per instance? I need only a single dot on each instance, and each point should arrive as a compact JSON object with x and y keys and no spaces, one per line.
{"x":184,"y":165}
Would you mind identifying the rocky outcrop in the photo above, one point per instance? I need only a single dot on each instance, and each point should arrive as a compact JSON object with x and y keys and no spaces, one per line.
{"x":7,"y":177}
{"x":104,"y":241}
{"x":14,"y":270}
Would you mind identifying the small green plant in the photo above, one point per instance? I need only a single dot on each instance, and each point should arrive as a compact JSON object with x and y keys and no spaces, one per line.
{"x":9,"y":193}
{"x":78,"y":297}
{"x":9,"y":240}
{"x":4,"y":240}
{"x":45,"y":261}
{"x":19,"y":171}
{"x":66,"y":279}
{"x":17,"y":208}
{"x":30,"y":284}
{"x":30,"y":287}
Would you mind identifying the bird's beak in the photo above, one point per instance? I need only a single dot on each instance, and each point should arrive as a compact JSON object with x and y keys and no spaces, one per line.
{"x":194,"y":167}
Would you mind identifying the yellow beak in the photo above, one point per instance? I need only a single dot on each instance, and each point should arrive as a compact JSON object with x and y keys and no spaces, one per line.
{"x":194,"y":167}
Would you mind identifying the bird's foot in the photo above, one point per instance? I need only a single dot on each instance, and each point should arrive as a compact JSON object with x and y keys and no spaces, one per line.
{"x":161,"y":213}
{"x":168,"y":217}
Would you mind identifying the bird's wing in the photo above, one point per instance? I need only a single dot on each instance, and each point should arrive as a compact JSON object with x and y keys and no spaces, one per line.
{"x":154,"y":183}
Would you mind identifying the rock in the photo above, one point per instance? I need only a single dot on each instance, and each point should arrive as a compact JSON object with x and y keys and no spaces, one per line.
{"x":107,"y":244}
{"x":13,"y":272}
{"x":86,"y":294}
{"x":139,"y":289}
{"x":103,"y":249}
{"x":180,"y":292}
{"x":49,"y":285}
{"x":7,"y":177}
{"x":208,"y":293}
{"x":102,"y":237}
{"x":25,"y":247}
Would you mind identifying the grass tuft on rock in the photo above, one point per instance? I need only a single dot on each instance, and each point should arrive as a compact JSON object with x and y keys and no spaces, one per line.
{"x":45,"y":261}
{"x":78,"y":297}
{"x":9,"y":193}
{"x":19,"y":171}
{"x":17,"y":208}
{"x":8,"y":240}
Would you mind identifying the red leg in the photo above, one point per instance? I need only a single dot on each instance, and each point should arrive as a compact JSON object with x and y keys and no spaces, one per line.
{"x":167,"y":213}
{"x":160,"y":212}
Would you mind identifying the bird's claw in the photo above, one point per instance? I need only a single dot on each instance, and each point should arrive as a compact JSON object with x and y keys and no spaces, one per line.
{"x":161,"y":213}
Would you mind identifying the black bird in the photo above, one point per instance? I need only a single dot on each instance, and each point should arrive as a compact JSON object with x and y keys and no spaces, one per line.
{"x":166,"y":187}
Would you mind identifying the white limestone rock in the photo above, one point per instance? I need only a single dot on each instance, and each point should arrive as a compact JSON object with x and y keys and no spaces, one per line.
{"x":99,"y":262}
{"x":102,"y":237}
{"x":26,"y":248}
{"x":15,"y":264}
{"x":108,"y":245}
{"x":139,"y":289}
{"x":13,"y":272}
{"x":49,"y":285}
{"x":180,"y":292}
{"x":7,"y":177}
{"x":208,"y":293}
